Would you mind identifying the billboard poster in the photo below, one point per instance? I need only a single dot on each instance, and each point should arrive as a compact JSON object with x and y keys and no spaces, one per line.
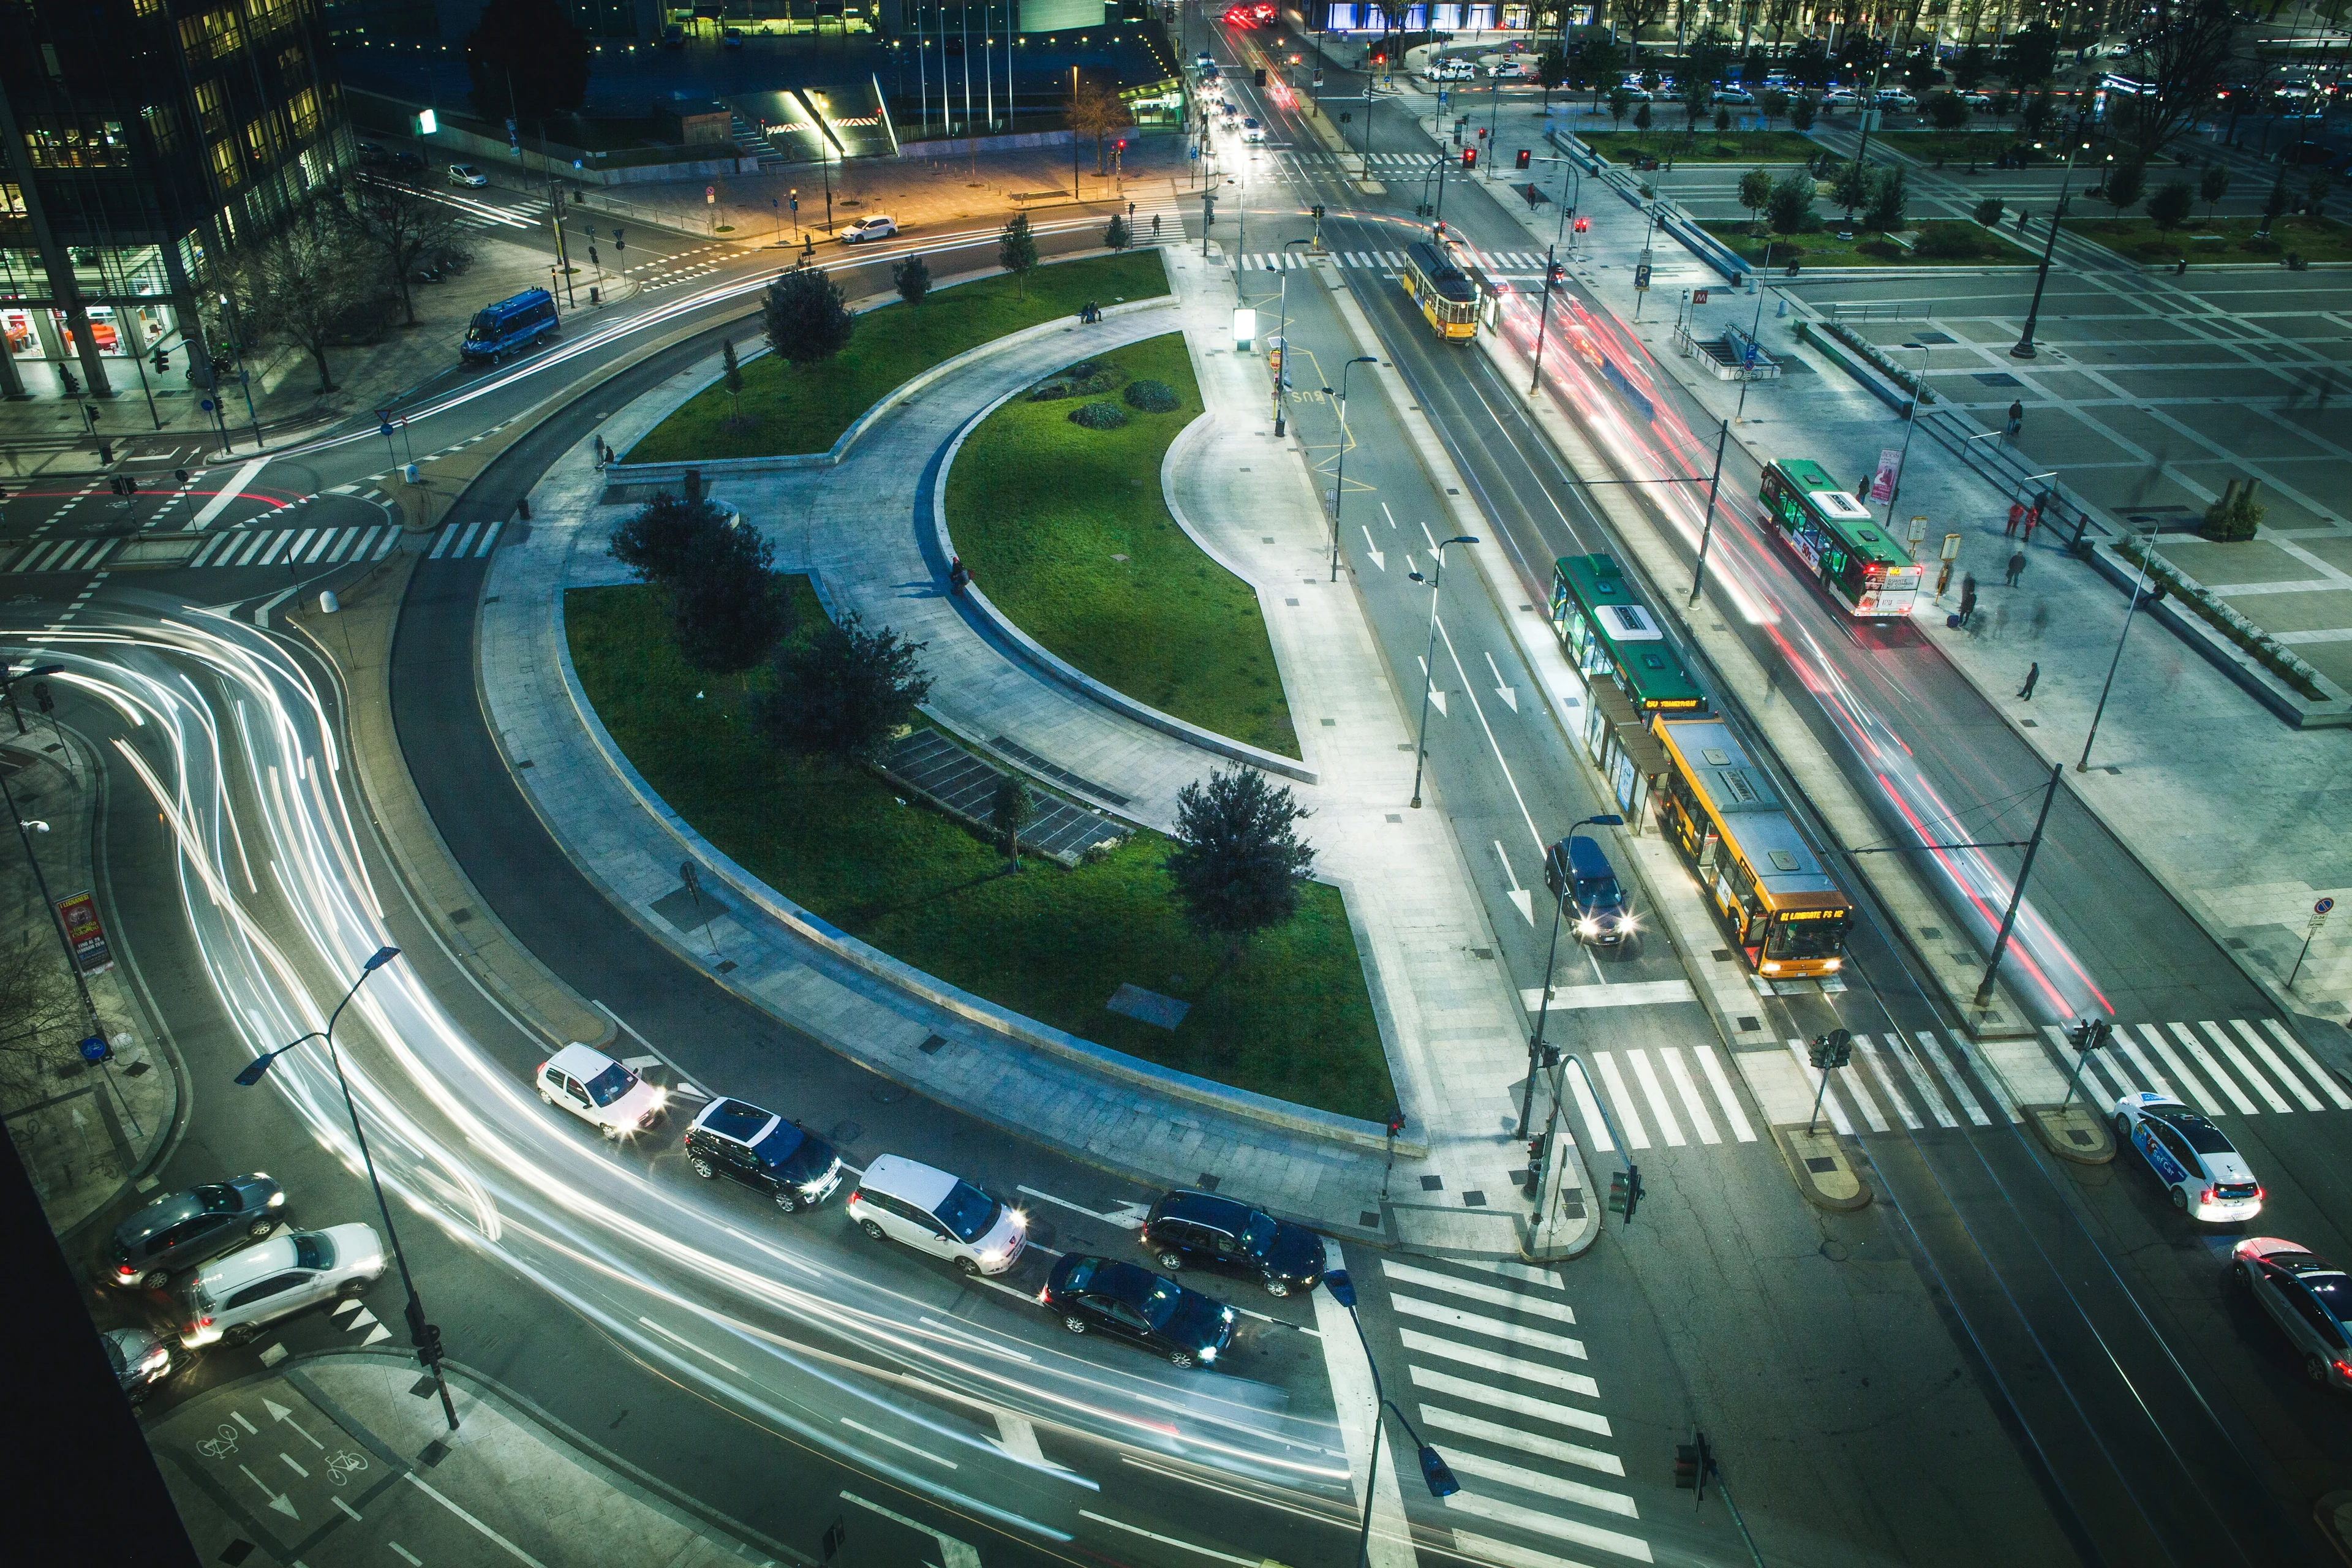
{"x":1881,"y":484}
{"x":84,"y":932}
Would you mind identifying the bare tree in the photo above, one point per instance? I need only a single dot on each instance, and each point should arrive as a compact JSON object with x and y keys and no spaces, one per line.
{"x":2182,"y":56}
{"x":40,"y":1017}
{"x":405,"y":229}
{"x":308,"y":287}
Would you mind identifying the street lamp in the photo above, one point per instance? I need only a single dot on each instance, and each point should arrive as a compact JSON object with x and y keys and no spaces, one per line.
{"x":1339,"y":493}
{"x":424,"y":1336}
{"x":1434,"y":1470}
{"x":1556,"y":880}
{"x":1429,"y":662}
{"x":1282,"y":337}
{"x":2025,"y":349}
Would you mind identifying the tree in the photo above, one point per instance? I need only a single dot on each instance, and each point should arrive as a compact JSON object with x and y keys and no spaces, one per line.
{"x":1016,"y":250}
{"x":1238,"y":861}
{"x":1722,"y":122}
{"x":1012,"y":809}
{"x":2039,"y":113}
{"x":407,"y":230}
{"x":1802,"y":112}
{"x":2186,"y":49}
{"x":527,"y":60}
{"x":1771,"y":103}
{"x":656,"y":542}
{"x":1631,"y":15}
{"x":2125,"y":182}
{"x":1888,"y":195}
{"x":2213,"y":187}
{"x":1621,"y":99}
{"x":2004,"y":104}
{"x":1697,"y":98}
{"x":307,"y":286}
{"x":1551,"y":71}
{"x":1116,"y":234}
{"x":1642,"y":116}
{"x":40,"y":1018}
{"x":843,"y":693}
{"x":1792,"y":207}
{"x":731,"y":376}
{"x":2170,"y":206}
{"x":912,"y":278}
{"x":1987,"y":212}
{"x":2274,"y":206}
{"x":1968,"y":70}
{"x":2030,"y":56}
{"x":1948,"y":111}
{"x":1596,"y":62}
{"x":1855,"y":182}
{"x":805,"y":318}
{"x":727,"y":610}
{"x":1808,"y":63}
{"x":1098,"y":112}
{"x":1755,"y":192}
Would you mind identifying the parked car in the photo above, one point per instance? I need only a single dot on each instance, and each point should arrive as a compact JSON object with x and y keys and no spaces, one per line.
{"x":875,"y":226}
{"x":732,"y":38}
{"x":183,"y":1228}
{"x":1735,"y":95}
{"x":736,"y":1139}
{"x":229,"y":1300}
{"x":932,"y":1211}
{"x":1841,"y":98}
{"x":1097,"y":1295}
{"x":600,"y":1091}
{"x":674,"y":36}
{"x":2201,"y":1170}
{"x":2307,"y":1297}
{"x":1896,"y":99}
{"x":1188,"y":1227}
{"x":139,"y":1360}
{"x":373,"y":152}
{"x":1981,"y":102}
{"x":467,"y":174}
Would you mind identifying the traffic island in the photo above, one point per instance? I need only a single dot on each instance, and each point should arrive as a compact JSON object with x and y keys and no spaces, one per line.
{"x":2073,"y":1130}
{"x":1823,"y":1167}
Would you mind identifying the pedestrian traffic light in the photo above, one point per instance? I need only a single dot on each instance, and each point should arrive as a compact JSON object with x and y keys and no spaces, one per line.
{"x":1693,"y":1463}
{"x":1524,"y":156}
{"x":91,"y":409}
{"x":1641,"y":275}
{"x":429,"y":1344}
{"x":1258,"y":76}
{"x":1626,"y":1190}
{"x":1469,"y":157}
{"x":1316,"y":212}
{"x":1581,"y":224}
{"x":162,"y":361}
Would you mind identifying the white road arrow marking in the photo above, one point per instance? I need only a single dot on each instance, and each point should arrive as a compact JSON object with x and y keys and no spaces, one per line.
{"x":1379,"y":560}
{"x":1436,"y":697}
{"x":1129,"y":1217}
{"x":280,"y":1412}
{"x":278,"y":1500}
{"x":1502,"y":687}
{"x":1521,"y":900}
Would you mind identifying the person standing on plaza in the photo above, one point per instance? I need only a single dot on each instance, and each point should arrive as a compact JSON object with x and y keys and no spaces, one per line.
{"x":2032,"y":521}
{"x":2016,"y":417}
{"x":2016,"y":516}
{"x":2016,"y":568}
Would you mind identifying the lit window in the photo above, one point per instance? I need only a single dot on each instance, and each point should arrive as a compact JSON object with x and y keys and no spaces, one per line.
{"x":225,"y":165}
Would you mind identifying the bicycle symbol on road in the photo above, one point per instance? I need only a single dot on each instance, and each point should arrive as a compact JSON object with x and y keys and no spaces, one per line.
{"x":219,"y":1448}
{"x":345,"y":1464}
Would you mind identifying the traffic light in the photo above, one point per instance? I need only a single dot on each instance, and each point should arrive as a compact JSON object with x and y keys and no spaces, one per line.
{"x":1834,"y":1049}
{"x":1523,"y":157}
{"x":2090,"y":1035}
{"x":1316,"y":212}
{"x":1538,"y":1146}
{"x":1469,"y":157}
{"x":162,"y":361}
{"x":1259,"y":76}
{"x":429,"y":1346}
{"x":1693,"y":1464}
{"x":1626,"y":1190}
{"x":1580,"y":225}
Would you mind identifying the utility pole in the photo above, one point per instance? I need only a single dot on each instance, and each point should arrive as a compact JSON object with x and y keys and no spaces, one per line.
{"x":1706,"y":529}
{"x":2017,"y":893}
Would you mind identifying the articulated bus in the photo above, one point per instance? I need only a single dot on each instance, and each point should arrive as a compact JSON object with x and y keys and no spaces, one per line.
{"x":1446,"y":294}
{"x":1609,"y":631}
{"x":1770,"y":891}
{"x":1842,"y":546}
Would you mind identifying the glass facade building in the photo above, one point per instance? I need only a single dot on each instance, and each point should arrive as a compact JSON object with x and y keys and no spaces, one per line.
{"x":138,"y":138}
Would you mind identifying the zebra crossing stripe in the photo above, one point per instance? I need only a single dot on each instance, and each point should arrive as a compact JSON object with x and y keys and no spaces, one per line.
{"x":2196,"y":1047}
{"x":2229,"y":1049}
{"x":1496,"y":1361}
{"x":2260,"y":1047}
{"x":2294,"y":1047}
{"x":1590,"y":1108}
{"x":1877,"y":1065}
{"x":1713,"y":1067}
{"x":294,"y":550}
{"x":2140,"y":1059}
{"x":1949,"y":1070}
{"x":1994,"y":1083}
{"x":1534,"y":1443}
{"x":1470,"y":1289}
{"x":1585,"y":1495}
{"x":1636,"y":1136}
{"x":482,"y":551}
{"x":1493,"y":1328}
{"x":1668,"y":1128}
{"x":1504,"y":1399}
{"x":1550,"y":1526}
{"x":1700,"y":1119}
{"x":2197,"y":1095}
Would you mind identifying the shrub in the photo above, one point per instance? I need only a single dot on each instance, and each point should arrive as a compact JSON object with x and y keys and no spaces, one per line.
{"x":1152,"y":397}
{"x":1988,"y":211}
{"x":1098,"y":415}
{"x":1949,"y":242}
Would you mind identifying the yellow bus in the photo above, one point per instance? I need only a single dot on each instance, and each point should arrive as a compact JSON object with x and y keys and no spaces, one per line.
{"x":1786,"y":915}
{"x":1448,"y":295}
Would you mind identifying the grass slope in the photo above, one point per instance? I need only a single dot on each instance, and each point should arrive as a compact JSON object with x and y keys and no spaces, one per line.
{"x":1065,"y":531}
{"x":789,"y":410}
{"x":2220,"y":239}
{"x":1291,"y":1018}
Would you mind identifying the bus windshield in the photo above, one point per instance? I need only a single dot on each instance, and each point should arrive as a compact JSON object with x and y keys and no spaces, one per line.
{"x":1819,"y":938}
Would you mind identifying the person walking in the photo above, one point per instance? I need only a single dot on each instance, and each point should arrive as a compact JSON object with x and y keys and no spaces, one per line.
{"x":2016,"y":516}
{"x":2033,"y":675}
{"x":2016,"y":417}
{"x":958,"y":574}
{"x":2032,"y":521}
{"x":1967,"y":597}
{"x":2016,"y":568}
{"x":1155,"y":226}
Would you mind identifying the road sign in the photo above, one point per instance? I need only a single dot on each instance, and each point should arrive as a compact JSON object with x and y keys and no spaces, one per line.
{"x":1642,"y":277}
{"x":79,"y":913}
{"x":207,"y":404}
{"x":2321,"y":907}
{"x":96,"y":1049}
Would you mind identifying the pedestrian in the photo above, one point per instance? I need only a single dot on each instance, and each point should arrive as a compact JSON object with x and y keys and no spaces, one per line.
{"x":958,"y":574}
{"x":2041,"y":619}
{"x":1967,"y":597}
{"x":2021,"y":220}
{"x":2016,"y":515}
{"x":1130,"y":209}
{"x":2000,"y":623}
{"x":1155,"y":226}
{"x":2031,"y":675}
{"x":2032,"y":521}
{"x":2016,"y":568}
{"x":2016,"y":417}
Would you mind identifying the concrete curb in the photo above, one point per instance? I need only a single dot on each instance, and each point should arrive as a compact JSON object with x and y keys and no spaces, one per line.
{"x":1061,"y":669}
{"x":2047,"y":1121}
{"x":1819,"y":1187}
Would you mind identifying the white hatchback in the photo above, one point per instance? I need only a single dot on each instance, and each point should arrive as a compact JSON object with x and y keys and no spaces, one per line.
{"x":600,"y":1091}
{"x":874,"y":227}
{"x":2201,"y":1170}
{"x":231,"y":1298}
{"x":931,"y":1211}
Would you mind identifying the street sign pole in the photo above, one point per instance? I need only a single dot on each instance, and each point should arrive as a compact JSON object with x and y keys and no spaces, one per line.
{"x":2318,"y":921}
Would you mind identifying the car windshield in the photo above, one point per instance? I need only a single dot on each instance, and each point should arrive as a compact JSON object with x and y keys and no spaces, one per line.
{"x":312,"y":1251}
{"x":216,"y":1199}
{"x":1598,"y":893}
{"x":2335,"y":1293}
{"x":1160,"y":1305}
{"x":1082,"y":1274}
{"x":2202,"y":1135}
{"x":968,"y":1211}
{"x":1257,"y":1235}
{"x":610,"y":1084}
{"x":780,"y":1145}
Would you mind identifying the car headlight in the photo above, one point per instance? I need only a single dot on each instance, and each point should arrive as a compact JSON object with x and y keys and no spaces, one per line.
{"x":1832,"y":965}
{"x":1020,"y":1221}
{"x":1208,"y":1353}
{"x":1588,"y":927}
{"x":661,"y":1098}
{"x":1626,"y":922}
{"x":278,"y":1200}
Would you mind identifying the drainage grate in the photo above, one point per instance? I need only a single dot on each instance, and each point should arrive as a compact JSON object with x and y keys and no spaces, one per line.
{"x":1935,"y":336}
{"x":1821,"y":1165}
{"x":1208,"y":1183}
{"x":1044,"y":768}
{"x":1473,"y":1200}
{"x":930,"y":762}
{"x":1998,"y":378}
{"x":1747,"y":1024}
{"x":1433,"y":1183}
{"x":932,"y":1044}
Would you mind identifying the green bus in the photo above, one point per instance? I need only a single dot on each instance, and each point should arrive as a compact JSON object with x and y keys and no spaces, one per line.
{"x":1843,"y":547}
{"x":1608,"y":630}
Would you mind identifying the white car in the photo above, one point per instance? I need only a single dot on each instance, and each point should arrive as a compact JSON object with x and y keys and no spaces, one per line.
{"x":1841,"y":98}
{"x":874,"y":227}
{"x":1253,"y":133}
{"x":600,"y":1091}
{"x":230,"y":1298}
{"x":1979,"y":101}
{"x":931,"y":1211}
{"x":1896,"y":98}
{"x":2307,"y":1297}
{"x":2206,"y":1177}
{"x":467,"y":174}
{"x":1739,"y":97}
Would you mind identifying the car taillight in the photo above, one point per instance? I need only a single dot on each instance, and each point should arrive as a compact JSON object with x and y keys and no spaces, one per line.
{"x":203,"y":1322}
{"x":2258,"y":1193}
{"x":126,"y":1271}
{"x":1046,"y":1299}
{"x":2343,"y":1369}
{"x":2209,"y":1196}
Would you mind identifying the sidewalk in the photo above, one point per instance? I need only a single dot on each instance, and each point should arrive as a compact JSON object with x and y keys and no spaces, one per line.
{"x":86,"y":1133}
{"x":339,"y":1459}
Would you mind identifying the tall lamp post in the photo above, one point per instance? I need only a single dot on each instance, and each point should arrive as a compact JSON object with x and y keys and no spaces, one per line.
{"x":1339,"y":493}
{"x":424,"y":1336}
{"x":1556,"y":880}
{"x":1282,"y":337}
{"x":1429,"y":662}
{"x":1433,"y":1469}
{"x":2025,"y":349}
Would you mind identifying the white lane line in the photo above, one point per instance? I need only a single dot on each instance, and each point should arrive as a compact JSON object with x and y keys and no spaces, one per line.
{"x":1210,"y":1551}
{"x":1544,"y":1525}
{"x":1700,"y":1119}
{"x":1877,"y":1065}
{"x":1598,"y":1499}
{"x":346,"y":1508}
{"x":1723,"y":1093}
{"x":1492,"y":1295}
{"x":1668,"y":1128}
{"x":857,"y":1425}
{"x":1129,"y":1217}
{"x":1493,"y":1328}
{"x":1502,"y":1437}
{"x":1814,"y":1075}
{"x":689,"y":1345}
{"x":518,"y":1552}
{"x":1504,"y":1365}
{"x":2197,"y":1094}
{"x":1636,"y":1136}
{"x":227,"y":493}
{"x":2229,"y":1048}
{"x":2261,"y":1048}
{"x":1950,"y":1071}
{"x":1493,"y":1399}
{"x":2319,"y":1075}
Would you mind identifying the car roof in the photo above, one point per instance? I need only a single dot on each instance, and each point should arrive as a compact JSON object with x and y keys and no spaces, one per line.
{"x":1207,"y":1208}
{"x":737,"y":1119}
{"x":161,"y":1214}
{"x":909,"y":1180}
{"x":239,"y":1269}
{"x":2174,"y":1113}
{"x":579,"y":1060}
{"x":1125,"y":1282}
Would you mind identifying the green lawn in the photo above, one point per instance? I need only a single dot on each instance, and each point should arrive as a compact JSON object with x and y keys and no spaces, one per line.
{"x":1667,"y":140}
{"x":789,"y":410}
{"x":1940,"y":242}
{"x":2220,"y":239}
{"x":1291,"y":1018}
{"x":1065,"y":531}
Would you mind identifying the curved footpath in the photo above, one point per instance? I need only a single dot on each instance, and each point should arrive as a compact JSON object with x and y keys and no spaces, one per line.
{"x":868,"y":532}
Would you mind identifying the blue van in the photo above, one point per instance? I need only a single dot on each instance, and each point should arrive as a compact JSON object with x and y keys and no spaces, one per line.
{"x":510,"y":326}
{"x":1601,"y":917}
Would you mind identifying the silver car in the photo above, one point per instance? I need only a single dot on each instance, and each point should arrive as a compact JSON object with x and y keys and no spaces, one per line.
{"x":229,"y":1300}
{"x":2307,"y":1297}
{"x":139,"y":1360}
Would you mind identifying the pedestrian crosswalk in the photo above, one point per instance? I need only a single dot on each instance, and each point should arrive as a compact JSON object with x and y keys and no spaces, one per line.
{"x":465,"y":541}
{"x":290,"y":547}
{"x":1500,"y":262}
{"x":1502,"y":1385}
{"x":296,"y":546}
{"x":1674,"y":1096}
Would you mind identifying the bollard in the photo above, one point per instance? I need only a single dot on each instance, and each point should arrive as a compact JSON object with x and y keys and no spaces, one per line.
{"x":523,"y":508}
{"x":328,"y":603}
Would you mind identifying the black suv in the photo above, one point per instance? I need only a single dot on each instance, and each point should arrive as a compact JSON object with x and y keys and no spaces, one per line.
{"x":760,"y":1149}
{"x":182,"y":1228}
{"x":1187,"y":1226}
{"x":1133,"y":1303}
